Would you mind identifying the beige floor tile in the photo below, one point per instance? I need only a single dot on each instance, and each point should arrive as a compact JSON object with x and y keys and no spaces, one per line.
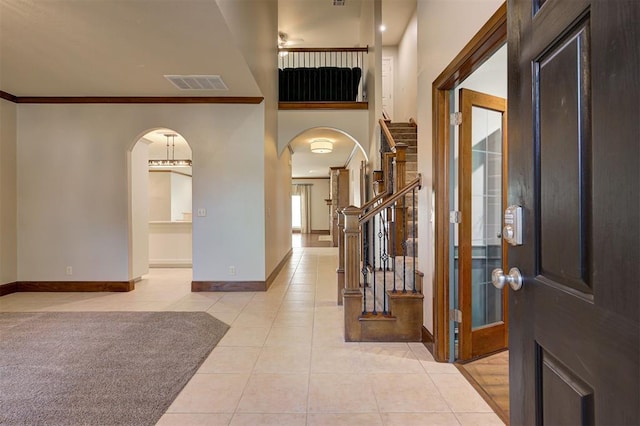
{"x":328,"y":336}
{"x":420,"y":351}
{"x":434,"y":367}
{"x":293,"y":319}
{"x":275,"y":393}
{"x":191,"y":305}
{"x":284,"y":359}
{"x":269,"y":419}
{"x":459,"y":394}
{"x":390,"y":358}
{"x":228,"y":317}
{"x":245,"y":336}
{"x":337,"y":359}
{"x":341,"y":393}
{"x":231,"y":359}
{"x":297,"y":305}
{"x":397,"y":393}
{"x":254,"y":318}
{"x":210,"y":393}
{"x":419,"y":419}
{"x":479,"y":419}
{"x":343,"y":419}
{"x":283,"y":336}
{"x":189,"y":419}
{"x":303,"y":296}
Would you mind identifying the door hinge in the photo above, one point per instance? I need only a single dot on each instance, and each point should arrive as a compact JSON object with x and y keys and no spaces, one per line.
{"x":455,"y":216}
{"x":455,"y":118}
{"x":455,"y":315}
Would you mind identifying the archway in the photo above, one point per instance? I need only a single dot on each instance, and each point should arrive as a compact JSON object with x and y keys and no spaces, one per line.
{"x":160,"y":202}
{"x":314,"y":178}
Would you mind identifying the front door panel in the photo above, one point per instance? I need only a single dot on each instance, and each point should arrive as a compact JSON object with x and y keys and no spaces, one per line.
{"x":574,"y":161}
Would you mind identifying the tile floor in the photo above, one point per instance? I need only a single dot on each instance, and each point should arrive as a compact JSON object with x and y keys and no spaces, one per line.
{"x":284,"y":361}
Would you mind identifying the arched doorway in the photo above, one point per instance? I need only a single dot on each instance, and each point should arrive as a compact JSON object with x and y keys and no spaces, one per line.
{"x":322,"y":157}
{"x":160,"y":200}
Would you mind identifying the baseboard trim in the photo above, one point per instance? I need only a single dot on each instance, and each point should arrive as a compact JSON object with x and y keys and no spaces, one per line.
{"x":427,"y":339}
{"x":170,"y":263}
{"x":197,"y":286}
{"x":8,"y":288}
{"x":67,"y":286}
{"x":272,"y":276}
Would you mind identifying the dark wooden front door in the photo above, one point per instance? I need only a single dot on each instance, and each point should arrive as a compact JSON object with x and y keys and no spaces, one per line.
{"x":574,"y":167}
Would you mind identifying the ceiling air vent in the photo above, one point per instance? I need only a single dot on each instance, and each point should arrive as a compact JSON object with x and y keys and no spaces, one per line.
{"x":338,"y":2}
{"x":197,"y":82}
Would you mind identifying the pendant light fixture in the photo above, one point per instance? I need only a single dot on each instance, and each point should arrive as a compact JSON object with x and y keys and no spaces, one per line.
{"x":170,"y":162}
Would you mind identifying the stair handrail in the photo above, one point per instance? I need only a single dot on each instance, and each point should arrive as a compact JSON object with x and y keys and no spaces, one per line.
{"x":387,"y":134}
{"x":373,"y":201}
{"x":413,"y":122}
{"x":416,"y":183}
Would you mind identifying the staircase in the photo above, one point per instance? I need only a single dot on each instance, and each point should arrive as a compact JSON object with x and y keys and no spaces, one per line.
{"x":382,"y":291}
{"x":407,"y":133}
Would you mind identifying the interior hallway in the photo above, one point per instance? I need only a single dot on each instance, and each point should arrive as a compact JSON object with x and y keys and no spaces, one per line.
{"x":284,"y":361}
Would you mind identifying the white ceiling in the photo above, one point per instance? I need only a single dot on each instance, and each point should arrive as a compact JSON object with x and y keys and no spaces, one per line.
{"x":116,"y":48}
{"x":317,"y":23}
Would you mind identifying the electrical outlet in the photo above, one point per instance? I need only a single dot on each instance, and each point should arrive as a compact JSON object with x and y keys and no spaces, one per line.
{"x":69,"y":270}
{"x":202,"y":212}
{"x":232,"y":270}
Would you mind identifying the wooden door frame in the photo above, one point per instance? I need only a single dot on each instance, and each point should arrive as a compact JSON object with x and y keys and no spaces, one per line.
{"x":487,"y":40}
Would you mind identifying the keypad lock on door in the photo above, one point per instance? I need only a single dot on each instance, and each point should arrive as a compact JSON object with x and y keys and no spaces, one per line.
{"x":512,"y":231}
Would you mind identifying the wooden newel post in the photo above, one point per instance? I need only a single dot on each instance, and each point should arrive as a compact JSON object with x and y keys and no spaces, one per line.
{"x":400,"y":182}
{"x":340,"y":270}
{"x":352,"y":294}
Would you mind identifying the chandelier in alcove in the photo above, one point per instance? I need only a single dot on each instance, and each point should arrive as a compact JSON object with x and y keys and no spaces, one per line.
{"x":170,"y":162}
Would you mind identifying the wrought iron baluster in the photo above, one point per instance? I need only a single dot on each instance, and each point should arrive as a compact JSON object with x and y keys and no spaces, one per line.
{"x":404,"y":245}
{"x":364,"y":266}
{"x":373,"y":261}
{"x":413,"y":216}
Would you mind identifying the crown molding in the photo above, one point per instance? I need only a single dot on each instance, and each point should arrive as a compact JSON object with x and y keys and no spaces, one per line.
{"x":253,"y":100}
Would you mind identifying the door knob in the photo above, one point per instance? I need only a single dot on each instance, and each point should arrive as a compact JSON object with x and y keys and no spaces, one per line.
{"x":514,"y":278}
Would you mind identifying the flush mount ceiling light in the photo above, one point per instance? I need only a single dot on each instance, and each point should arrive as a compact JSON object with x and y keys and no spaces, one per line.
{"x":321,"y":146}
{"x":170,"y":162}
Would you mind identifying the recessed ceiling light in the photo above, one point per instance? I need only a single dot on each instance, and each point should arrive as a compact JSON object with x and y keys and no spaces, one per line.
{"x":383,"y":28}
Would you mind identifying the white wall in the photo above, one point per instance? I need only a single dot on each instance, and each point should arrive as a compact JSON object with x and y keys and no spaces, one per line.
{"x":392,"y":53}
{"x":356,"y":197}
{"x":406,"y":73}
{"x":73,"y":195}
{"x":444,"y":28}
{"x":370,"y":20}
{"x":181,"y":190}
{"x":319,"y":208}
{"x":139,"y":202}
{"x":159,"y":190}
{"x":254,"y":24}
{"x":8,"y":210}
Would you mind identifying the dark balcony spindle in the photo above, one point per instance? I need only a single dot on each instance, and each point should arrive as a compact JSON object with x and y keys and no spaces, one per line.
{"x":373,"y":265}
